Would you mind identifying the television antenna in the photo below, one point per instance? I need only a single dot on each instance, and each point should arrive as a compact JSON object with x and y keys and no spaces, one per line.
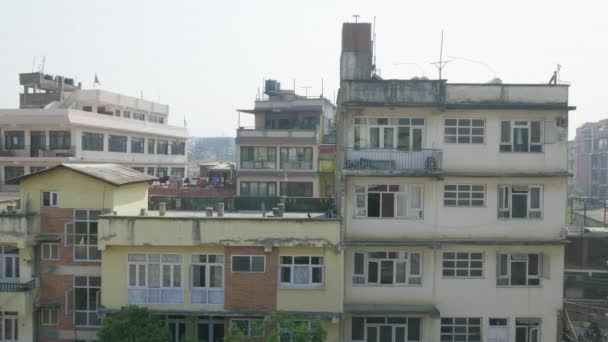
{"x":441,"y":64}
{"x":356,"y":16}
{"x":306,"y":90}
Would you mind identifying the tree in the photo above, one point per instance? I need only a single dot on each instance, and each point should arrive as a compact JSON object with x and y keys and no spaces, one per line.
{"x":281,"y":327}
{"x":133,"y":324}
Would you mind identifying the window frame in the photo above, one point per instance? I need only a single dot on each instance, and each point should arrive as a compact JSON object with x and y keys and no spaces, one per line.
{"x":453,"y":325}
{"x":528,"y":327}
{"x":393,"y":325}
{"x":49,"y":321}
{"x":13,"y":318}
{"x":250,"y":256}
{"x":88,"y":290}
{"x":89,"y":246}
{"x":364,"y":277}
{"x":138,"y":141}
{"x":144,"y":284}
{"x":364,"y":189}
{"x":50,"y":247}
{"x":458,"y":192}
{"x":207,"y":266}
{"x":96,"y":140}
{"x":457,"y":268}
{"x":504,"y":277}
{"x":294,"y":155}
{"x":249,"y":326}
{"x":363,"y":126}
{"x":505,"y":203}
{"x":254,"y":157}
{"x":65,"y":137}
{"x":12,"y":254}
{"x":247,"y":185}
{"x":311,"y":267}
{"x":457,"y":135}
{"x":507,"y":144}
{"x":53,"y":199}
{"x":14,"y":140}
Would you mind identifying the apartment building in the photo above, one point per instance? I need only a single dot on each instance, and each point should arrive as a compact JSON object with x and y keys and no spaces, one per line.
{"x":59,"y":272}
{"x":588,"y":155}
{"x":59,"y":122}
{"x":280,"y":155}
{"x":452,"y":199}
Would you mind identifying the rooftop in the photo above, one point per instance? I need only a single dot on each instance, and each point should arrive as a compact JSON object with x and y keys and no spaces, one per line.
{"x":114,"y":174}
{"x":243,"y":214}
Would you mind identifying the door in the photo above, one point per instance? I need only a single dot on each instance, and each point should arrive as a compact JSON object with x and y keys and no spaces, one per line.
{"x":178,"y":330}
{"x":520,"y":205}
{"x":38,"y":144}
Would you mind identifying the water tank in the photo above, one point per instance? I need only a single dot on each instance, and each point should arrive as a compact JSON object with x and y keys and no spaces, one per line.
{"x":272,"y":87}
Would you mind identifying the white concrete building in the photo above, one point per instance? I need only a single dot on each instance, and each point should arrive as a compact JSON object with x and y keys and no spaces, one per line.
{"x":453,"y":199}
{"x":279,"y":156}
{"x":59,"y":122}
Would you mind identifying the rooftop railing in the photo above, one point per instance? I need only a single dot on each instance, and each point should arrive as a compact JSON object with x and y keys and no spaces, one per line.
{"x":17,"y":287}
{"x":37,"y":152}
{"x":422,"y":160}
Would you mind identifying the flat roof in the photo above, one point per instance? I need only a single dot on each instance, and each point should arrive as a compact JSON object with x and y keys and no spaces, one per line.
{"x":243,"y":214}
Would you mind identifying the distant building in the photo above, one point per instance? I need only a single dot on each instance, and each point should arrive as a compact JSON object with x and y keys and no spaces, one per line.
{"x":589,"y":156}
{"x":282,"y":154}
{"x":60,"y":122}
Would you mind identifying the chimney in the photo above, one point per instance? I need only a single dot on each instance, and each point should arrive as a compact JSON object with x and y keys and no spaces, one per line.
{"x":220,"y":209}
{"x":356,"y":58}
{"x":162,"y":208}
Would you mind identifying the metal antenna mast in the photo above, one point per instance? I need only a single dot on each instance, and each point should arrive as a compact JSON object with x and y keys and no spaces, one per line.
{"x":441,"y":64}
{"x":356,"y":16}
{"x":306,"y":90}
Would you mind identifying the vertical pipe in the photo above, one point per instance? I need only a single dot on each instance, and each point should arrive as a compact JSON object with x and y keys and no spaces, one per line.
{"x":604,"y":212}
{"x":580,"y":240}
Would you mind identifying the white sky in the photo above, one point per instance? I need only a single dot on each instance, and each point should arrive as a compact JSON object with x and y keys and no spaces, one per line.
{"x":208,"y":58}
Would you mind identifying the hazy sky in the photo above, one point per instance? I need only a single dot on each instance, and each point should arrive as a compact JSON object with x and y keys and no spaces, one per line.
{"x":208,"y":58}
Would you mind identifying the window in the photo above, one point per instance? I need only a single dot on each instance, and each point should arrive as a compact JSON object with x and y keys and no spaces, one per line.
{"x":464,"y":195}
{"x":86,"y":301}
{"x":462,"y":265}
{"x":249,"y":327}
{"x":388,"y":200}
{"x":60,"y":140}
{"x":391,"y":328}
{"x":137,"y":145}
{"x":498,"y":330}
{"x":207,"y":272}
{"x":50,"y":198}
{"x":37,"y":168}
{"x":162,"y":147}
{"x":248,"y":263}
{"x":157,"y":119}
{"x":85,"y":235}
{"x":400,"y":133}
{"x":258,"y":157}
{"x":162,"y":172}
{"x":300,"y":270}
{"x":14,"y":140}
{"x":49,"y":251}
{"x":464,"y":131}
{"x":387,"y":268}
{"x":138,"y":169}
{"x":178,"y":148}
{"x":11,"y":172}
{"x":521,"y":136}
{"x":151,"y":171}
{"x":92,"y":141}
{"x":9,"y":327}
{"x":9,"y":263}
{"x":48,"y":316}
{"x":527,"y":330}
{"x":460,"y":329}
{"x":126,"y":114}
{"x":117,"y":112}
{"x":37,"y":142}
{"x":87,"y":108}
{"x":117,"y":143}
{"x":296,"y":189}
{"x":520,"y":201}
{"x":155,"y":279}
{"x":296,"y":158}
{"x":139,"y":116}
{"x":177,"y":172}
{"x":259,"y":189}
{"x":151,"y":145}
{"x":287,"y":336}
{"x":519,"y":269}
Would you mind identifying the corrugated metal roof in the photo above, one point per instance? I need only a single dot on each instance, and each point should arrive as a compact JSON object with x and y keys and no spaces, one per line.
{"x":110,"y":173}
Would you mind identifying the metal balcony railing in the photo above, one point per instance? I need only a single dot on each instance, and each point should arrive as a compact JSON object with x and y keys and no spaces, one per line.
{"x":425,"y":160}
{"x":34,"y":152}
{"x":296,"y":165}
{"x":17,"y":287}
{"x":587,"y":212}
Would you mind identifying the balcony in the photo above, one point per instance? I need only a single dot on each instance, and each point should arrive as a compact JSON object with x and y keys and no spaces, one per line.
{"x":371,"y":161}
{"x":17,"y":287}
{"x":37,"y":152}
{"x":251,"y":135}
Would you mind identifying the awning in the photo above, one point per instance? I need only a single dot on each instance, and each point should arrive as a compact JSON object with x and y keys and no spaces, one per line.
{"x":391,"y":309}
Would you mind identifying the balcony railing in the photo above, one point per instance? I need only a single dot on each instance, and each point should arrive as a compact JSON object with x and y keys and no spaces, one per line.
{"x":296,"y":165}
{"x":17,"y":287}
{"x":258,"y":164}
{"x":424,"y":160}
{"x":587,"y":212}
{"x":34,"y":152}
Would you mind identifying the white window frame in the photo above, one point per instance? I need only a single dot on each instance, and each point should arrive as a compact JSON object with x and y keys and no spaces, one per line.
{"x":250,"y":326}
{"x":503,"y":276}
{"x":50,"y":247}
{"x":461,"y":124}
{"x":207,"y":264}
{"x":529,"y":327}
{"x":175,"y":285}
{"x":89,"y":310}
{"x":394,"y":326}
{"x":404,"y":193}
{"x":7,"y":256}
{"x":494,"y":328}
{"x":250,"y":263}
{"x":461,"y":194}
{"x":396,"y":257}
{"x":53,"y":199}
{"x":508,"y":142}
{"x":467,"y":325}
{"x":310,"y":266}
{"x":366,"y":124}
{"x":46,"y":317}
{"x":505,"y":201}
{"x":89,"y":246}
{"x":462,"y":261}
{"x":13,"y":318}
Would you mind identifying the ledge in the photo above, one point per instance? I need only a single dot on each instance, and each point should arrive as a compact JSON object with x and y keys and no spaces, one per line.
{"x":439,"y":242}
